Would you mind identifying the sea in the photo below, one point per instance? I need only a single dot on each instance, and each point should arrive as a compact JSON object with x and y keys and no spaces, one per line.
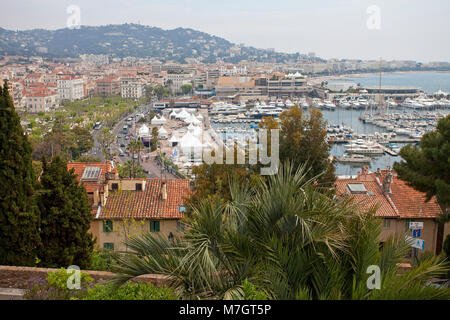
{"x":428,"y":82}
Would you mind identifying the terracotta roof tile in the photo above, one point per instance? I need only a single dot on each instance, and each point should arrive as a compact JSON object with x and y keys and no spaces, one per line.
{"x":148,"y":203}
{"x":411,"y":203}
{"x":384,"y":207}
{"x":402,"y":202}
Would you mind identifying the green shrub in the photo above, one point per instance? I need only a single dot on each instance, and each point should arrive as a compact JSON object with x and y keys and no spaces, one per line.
{"x":58,"y":279}
{"x":102,"y":260}
{"x":54,"y":287}
{"x":129,"y":291}
{"x":447,"y":246}
{"x":251,"y":292}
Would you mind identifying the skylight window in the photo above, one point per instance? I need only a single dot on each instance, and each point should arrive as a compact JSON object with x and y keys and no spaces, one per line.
{"x":91,"y":173}
{"x":356,"y":188}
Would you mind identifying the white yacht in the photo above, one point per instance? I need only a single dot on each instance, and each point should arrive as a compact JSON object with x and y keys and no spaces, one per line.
{"x":354,"y":158}
{"x":364,"y":147}
{"x":329,"y":105}
{"x":289,"y":104}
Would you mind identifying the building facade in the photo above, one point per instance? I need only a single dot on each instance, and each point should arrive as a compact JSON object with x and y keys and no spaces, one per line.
{"x":107,"y":86}
{"x":125,"y":207}
{"x":132,"y":88}
{"x":396,"y":204}
{"x":70,"y":88}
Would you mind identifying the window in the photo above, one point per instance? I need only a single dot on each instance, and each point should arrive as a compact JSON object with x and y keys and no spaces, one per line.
{"x":387,"y":223}
{"x":138,"y":186}
{"x":107,"y":226}
{"x":115,"y":186}
{"x":154,"y":226}
{"x":108,"y":246}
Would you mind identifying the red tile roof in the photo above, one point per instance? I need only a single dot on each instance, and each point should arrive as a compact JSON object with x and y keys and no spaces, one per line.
{"x":366,"y":201}
{"x":402,"y":202}
{"x":80,"y":166}
{"x":411,"y":203}
{"x":92,"y":186}
{"x":147,"y":204}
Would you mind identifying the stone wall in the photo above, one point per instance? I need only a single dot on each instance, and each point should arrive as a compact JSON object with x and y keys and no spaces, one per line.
{"x":17,"y":277}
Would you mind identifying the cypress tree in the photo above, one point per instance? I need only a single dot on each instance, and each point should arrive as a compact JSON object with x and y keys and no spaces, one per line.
{"x":65,"y":218}
{"x":19,"y":218}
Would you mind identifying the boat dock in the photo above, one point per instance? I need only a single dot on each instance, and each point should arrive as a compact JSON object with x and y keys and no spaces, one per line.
{"x":388,"y":151}
{"x":404,"y":140}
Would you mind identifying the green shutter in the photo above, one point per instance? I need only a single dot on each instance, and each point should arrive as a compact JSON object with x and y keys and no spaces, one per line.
{"x":108,"y":246}
{"x":107,"y":226}
{"x":154,"y":226}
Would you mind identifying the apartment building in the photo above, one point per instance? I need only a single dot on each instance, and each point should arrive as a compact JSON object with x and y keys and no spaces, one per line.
{"x":132,"y":87}
{"x":109,"y":85}
{"x":231,"y":86}
{"x":70,"y":88}
{"x":177,"y":80}
{"x":282,"y":86}
{"x":396,"y":204}
{"x":39,"y":99}
{"x":232,"y":70}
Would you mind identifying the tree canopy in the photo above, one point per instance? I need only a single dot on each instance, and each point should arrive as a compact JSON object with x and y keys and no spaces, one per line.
{"x":19,"y":218}
{"x":65,"y":218}
{"x":426,"y":167}
{"x":289,"y":240}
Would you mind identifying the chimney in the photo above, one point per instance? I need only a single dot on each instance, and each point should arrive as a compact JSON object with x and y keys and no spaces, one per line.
{"x":387,"y":183}
{"x":164,"y":191}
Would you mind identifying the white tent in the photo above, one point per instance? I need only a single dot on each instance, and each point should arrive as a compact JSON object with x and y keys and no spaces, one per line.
{"x":200,"y":117}
{"x":162,"y":133}
{"x":191,"y":145}
{"x":183,"y":114}
{"x":197,"y":131}
{"x":163,"y":120}
{"x":155,"y":120}
{"x":144,"y":131}
{"x":188,"y":119}
{"x":173,"y":141}
{"x":158,"y":121}
{"x":173,"y":114}
{"x":196,"y":121}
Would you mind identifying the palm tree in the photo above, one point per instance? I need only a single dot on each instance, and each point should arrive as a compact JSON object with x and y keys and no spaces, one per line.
{"x":289,"y":239}
{"x":135,"y":147}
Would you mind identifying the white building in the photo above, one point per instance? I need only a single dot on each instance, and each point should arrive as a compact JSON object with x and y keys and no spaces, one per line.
{"x":70,"y":88}
{"x":177,"y":80}
{"x":40,"y":100}
{"x":132,"y":88}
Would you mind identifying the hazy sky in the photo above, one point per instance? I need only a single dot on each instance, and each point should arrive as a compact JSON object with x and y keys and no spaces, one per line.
{"x":408,"y":29}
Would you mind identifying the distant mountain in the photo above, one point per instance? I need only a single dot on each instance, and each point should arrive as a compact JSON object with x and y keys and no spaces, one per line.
{"x":132,"y":40}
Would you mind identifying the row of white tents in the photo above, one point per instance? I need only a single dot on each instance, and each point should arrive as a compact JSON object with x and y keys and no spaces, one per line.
{"x":144,"y":132}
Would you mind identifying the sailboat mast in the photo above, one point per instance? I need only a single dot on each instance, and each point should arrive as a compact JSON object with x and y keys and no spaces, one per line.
{"x":380,"y":96}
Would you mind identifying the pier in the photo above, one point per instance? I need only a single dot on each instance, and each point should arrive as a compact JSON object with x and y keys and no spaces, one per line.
{"x":388,"y":151}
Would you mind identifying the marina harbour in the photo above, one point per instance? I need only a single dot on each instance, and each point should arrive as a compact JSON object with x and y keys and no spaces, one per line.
{"x":357,"y":129}
{"x":361,"y":130}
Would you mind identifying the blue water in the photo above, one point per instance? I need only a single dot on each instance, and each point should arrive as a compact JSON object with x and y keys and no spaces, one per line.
{"x":429,"y":82}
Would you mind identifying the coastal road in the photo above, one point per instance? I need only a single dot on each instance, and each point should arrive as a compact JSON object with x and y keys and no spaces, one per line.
{"x":151,"y":165}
